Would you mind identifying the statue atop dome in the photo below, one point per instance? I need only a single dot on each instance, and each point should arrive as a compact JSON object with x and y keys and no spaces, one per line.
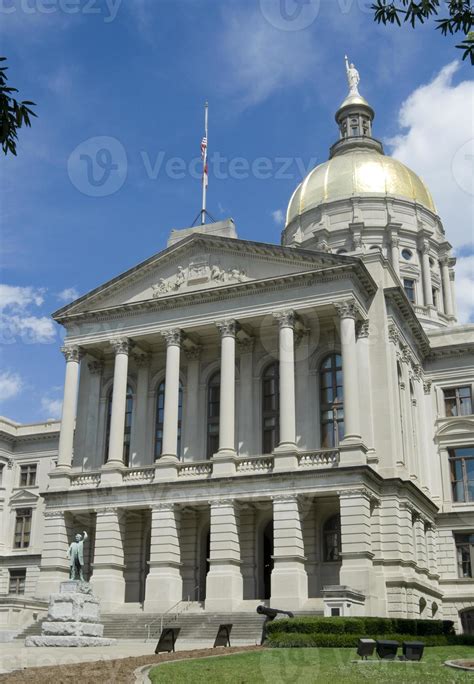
{"x":353,"y":78}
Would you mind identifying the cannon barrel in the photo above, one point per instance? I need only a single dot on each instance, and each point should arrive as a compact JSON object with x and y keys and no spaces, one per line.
{"x":271,"y":613}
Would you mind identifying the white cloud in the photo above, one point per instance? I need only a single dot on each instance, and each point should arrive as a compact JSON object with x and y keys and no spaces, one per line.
{"x":68,"y":294}
{"x":10,"y":385}
{"x":260,"y":59}
{"x":19,"y":298}
{"x":437,"y":143}
{"x":17,"y":319}
{"x":51,"y":407}
{"x":278,"y":217}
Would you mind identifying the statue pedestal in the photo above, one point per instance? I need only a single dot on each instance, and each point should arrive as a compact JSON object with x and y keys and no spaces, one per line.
{"x":73,"y":619}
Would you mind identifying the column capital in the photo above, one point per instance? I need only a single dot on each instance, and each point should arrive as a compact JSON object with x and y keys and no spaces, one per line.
{"x":168,"y":507}
{"x":363,"y":329}
{"x":142,"y":360}
{"x":193,"y":352}
{"x":227,"y":327}
{"x":285,"y":498}
{"x":121,"y":345}
{"x":347,"y":309}
{"x":286,"y":318}
{"x":72,"y":353}
{"x":173,"y":337}
{"x":95,"y":367}
{"x":222,"y":503}
{"x":393,"y":334}
{"x":246,"y":344}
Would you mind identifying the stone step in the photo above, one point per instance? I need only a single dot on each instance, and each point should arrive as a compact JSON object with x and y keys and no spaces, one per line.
{"x":194,"y":626}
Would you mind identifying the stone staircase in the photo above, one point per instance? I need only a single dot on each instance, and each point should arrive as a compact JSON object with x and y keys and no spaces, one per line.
{"x":202,"y":626}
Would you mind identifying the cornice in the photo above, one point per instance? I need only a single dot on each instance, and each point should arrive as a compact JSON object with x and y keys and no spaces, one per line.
{"x":398,"y":298}
{"x":356,"y":271}
{"x":250,"y":248}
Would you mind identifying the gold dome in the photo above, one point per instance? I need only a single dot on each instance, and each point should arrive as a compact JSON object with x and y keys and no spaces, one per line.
{"x":358,"y":173}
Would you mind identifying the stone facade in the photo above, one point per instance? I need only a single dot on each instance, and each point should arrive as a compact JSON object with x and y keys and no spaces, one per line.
{"x":248,"y":422}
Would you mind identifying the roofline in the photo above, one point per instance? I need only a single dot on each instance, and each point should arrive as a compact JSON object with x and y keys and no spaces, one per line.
{"x":311,"y":255}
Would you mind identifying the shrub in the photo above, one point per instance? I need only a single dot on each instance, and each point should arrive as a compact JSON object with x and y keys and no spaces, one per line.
{"x":362,"y":626}
{"x":315,"y":640}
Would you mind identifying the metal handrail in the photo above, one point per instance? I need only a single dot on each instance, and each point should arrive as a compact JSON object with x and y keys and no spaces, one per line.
{"x":162,"y":616}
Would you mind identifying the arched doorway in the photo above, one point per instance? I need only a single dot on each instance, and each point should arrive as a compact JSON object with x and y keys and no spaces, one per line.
{"x":266,"y":564}
{"x":467,"y":621}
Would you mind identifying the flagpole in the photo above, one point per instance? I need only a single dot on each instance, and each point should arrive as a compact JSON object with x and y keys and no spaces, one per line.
{"x":204,"y":168}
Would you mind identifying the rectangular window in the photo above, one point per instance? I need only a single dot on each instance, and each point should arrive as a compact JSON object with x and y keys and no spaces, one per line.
{"x":464,"y":554}
{"x":434,"y":294}
{"x":458,"y":401}
{"x":462,"y":473}
{"x":409,"y":287}
{"x":17,"y":581}
{"x":28,"y":475}
{"x":22,"y":528}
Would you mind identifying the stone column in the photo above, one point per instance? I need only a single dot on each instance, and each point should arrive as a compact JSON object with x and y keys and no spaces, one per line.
{"x":193,"y":415}
{"x":405,"y":531}
{"x":108,"y":582}
{"x":54,"y":567}
{"x":164,"y":584}
{"x":395,"y":254}
{"x":138,"y":453}
{"x":353,"y":451}
{"x":286,"y":321}
{"x":356,"y":542}
{"x":289,"y":581}
{"x":426,"y":272}
{"x":224,"y":460}
{"x":73,"y":357}
{"x":93,"y":454}
{"x":224,"y":586}
{"x":246,"y":413}
{"x":445,"y":279}
{"x":119,"y":397}
{"x":171,"y":409}
{"x":452,"y":277}
{"x":365,"y":394}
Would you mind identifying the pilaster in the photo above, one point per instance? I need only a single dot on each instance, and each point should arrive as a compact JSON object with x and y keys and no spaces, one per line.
{"x":54,"y":567}
{"x":224,"y":587}
{"x":107,"y":579}
{"x":164,"y":584}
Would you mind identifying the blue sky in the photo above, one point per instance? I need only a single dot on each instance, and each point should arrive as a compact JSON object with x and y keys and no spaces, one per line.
{"x":132,"y":76}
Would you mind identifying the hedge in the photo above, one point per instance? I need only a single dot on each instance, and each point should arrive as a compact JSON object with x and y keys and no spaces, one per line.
{"x":361,"y":626}
{"x":314,"y":640}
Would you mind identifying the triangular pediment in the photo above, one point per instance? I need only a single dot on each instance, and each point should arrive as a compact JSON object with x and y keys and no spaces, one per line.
{"x":200,"y":263}
{"x":24,"y":496}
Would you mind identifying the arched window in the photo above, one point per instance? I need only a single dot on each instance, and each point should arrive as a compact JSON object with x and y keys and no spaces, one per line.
{"x":332,"y":538}
{"x":159,"y":418}
{"x":332,"y":406}
{"x":127,"y":432}
{"x":213,"y":412}
{"x":270,"y":408}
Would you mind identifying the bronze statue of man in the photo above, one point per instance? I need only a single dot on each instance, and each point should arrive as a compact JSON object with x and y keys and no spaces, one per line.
{"x":75,"y":553}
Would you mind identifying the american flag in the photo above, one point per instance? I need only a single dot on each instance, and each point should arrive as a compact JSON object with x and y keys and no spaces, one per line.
{"x":203,"y":147}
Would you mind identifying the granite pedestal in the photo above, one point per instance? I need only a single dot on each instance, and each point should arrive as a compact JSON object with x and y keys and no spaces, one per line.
{"x":73,"y":619}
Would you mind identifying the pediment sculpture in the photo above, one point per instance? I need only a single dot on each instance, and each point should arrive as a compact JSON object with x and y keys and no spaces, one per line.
{"x":198,"y":272}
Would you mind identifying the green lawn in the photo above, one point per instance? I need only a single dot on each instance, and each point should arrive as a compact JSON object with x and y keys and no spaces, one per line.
{"x":305,"y":665}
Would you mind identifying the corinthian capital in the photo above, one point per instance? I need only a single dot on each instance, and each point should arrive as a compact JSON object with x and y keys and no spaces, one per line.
{"x":95,"y":367}
{"x":286,"y":319}
{"x":227,"y":328}
{"x":121,"y":345}
{"x":72,"y":353}
{"x":173,"y":336}
{"x":347,"y":309}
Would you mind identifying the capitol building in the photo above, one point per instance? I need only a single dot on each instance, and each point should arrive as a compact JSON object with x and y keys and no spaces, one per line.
{"x":247,"y":422}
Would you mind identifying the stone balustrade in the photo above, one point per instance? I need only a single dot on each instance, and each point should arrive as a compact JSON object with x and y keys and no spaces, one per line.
{"x":255,"y":465}
{"x":91,"y":479}
{"x":144,"y":474}
{"x":324,"y":458}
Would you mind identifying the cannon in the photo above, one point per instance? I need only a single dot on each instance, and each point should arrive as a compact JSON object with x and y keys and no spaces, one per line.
{"x":270,"y":615}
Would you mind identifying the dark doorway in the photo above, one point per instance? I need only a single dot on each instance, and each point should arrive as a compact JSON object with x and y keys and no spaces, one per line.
{"x":467,"y":621}
{"x":204,"y":564}
{"x":267,"y":559}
